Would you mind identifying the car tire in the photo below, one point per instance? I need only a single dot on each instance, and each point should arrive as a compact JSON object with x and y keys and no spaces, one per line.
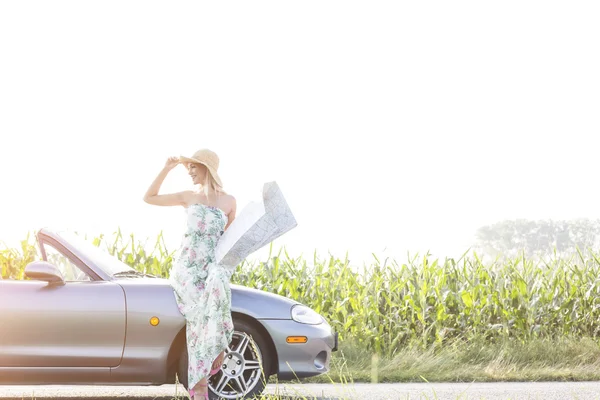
{"x":257,"y":352}
{"x":182,"y":364}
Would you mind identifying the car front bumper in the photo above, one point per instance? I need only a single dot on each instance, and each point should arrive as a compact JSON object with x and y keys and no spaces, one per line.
{"x":301,"y":360}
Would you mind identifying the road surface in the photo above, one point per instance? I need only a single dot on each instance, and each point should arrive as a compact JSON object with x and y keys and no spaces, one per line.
{"x":396,"y":391}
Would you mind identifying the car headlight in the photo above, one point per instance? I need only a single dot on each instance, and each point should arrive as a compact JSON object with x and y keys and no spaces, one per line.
{"x":304,"y":315}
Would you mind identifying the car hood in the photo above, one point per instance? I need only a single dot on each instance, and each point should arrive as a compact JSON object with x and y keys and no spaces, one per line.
{"x":256,"y":303}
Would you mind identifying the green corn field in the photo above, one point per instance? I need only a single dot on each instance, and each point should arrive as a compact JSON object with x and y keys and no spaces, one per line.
{"x":387,"y":305}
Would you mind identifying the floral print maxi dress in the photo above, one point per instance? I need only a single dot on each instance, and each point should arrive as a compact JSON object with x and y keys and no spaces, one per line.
{"x":202,"y":291}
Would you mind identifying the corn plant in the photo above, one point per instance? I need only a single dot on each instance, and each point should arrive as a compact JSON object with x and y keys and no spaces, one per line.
{"x":13,"y":261}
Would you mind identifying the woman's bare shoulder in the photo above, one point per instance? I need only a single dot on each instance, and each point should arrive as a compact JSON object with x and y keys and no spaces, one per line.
{"x":229,"y":198}
{"x":229,"y":202}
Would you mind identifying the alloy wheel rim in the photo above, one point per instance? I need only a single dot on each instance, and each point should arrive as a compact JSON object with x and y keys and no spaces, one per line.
{"x":241,"y":369}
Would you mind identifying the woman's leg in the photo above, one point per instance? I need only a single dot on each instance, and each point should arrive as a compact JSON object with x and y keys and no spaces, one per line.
{"x":201,"y":390}
{"x":218,"y":362}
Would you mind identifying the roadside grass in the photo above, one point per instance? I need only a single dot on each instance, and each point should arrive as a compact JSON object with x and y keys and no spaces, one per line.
{"x":565,"y":359}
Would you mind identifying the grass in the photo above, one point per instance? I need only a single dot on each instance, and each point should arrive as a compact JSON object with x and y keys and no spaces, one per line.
{"x":576,"y":359}
{"x":537,"y":360}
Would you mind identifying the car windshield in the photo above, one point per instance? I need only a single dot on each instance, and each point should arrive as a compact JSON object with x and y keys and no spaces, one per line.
{"x":100,"y":257}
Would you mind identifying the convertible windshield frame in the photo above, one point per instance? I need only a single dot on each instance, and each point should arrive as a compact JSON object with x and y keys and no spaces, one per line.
{"x":99,"y":260}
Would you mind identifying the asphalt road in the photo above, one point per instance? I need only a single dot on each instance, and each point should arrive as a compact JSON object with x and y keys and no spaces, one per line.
{"x":408,"y":391}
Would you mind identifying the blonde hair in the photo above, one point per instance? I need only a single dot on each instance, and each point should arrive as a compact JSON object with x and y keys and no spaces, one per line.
{"x":210,"y":184}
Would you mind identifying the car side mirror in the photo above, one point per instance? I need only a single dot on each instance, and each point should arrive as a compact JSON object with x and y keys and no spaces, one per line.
{"x":44,"y":271}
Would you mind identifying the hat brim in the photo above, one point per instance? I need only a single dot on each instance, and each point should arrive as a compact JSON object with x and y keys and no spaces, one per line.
{"x":187,"y":160}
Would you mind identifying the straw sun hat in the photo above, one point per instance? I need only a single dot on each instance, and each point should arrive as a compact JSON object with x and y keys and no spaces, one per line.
{"x":208,"y":158}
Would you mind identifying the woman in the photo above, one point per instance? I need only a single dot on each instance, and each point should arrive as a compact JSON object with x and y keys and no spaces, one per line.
{"x":201,"y":286}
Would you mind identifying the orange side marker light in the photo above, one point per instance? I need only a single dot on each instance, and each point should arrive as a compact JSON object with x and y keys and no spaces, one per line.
{"x":296,"y":339}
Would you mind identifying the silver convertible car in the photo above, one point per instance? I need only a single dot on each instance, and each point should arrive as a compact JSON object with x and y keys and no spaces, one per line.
{"x":85,"y":317}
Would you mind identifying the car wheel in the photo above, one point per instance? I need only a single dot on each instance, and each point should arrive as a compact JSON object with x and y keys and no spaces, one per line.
{"x":182,"y":375}
{"x":246,"y":367}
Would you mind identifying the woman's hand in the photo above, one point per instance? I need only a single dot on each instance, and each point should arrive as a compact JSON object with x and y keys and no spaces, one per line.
{"x":171,"y":163}
{"x":171,"y":199}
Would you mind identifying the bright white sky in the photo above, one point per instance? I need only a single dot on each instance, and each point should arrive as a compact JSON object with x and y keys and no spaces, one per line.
{"x":390,"y":126}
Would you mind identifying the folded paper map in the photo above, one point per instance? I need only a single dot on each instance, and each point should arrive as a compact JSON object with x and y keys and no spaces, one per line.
{"x":258,"y":224}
